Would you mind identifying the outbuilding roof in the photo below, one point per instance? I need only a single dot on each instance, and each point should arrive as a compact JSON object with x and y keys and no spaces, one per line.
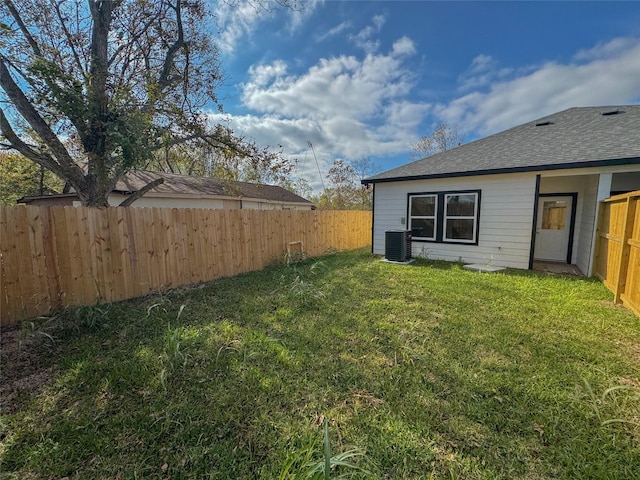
{"x":182,"y":186}
{"x":186,"y":185}
{"x":573,"y":138}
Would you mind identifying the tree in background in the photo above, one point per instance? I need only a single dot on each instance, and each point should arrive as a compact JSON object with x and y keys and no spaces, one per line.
{"x":20,"y":177}
{"x":299,"y":186}
{"x":344,"y":190}
{"x":93,"y":88}
{"x":444,"y":137}
{"x":254,"y":164}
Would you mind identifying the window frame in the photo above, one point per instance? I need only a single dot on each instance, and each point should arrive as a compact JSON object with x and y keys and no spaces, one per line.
{"x":441,"y":217}
{"x":434,"y":217}
{"x":473,"y":217}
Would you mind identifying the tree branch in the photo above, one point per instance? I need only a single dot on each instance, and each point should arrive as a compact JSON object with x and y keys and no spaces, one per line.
{"x":39,"y":54}
{"x":69,"y":39}
{"x":131,"y":40}
{"x":33,"y":118}
{"x":164,"y":81}
{"x":23,"y":28}
{"x":16,"y":143}
{"x":136,"y":195}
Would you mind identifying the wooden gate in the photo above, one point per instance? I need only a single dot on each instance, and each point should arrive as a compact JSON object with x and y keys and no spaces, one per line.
{"x":617,"y":260}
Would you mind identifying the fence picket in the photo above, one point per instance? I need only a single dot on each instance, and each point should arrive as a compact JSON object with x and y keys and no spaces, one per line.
{"x":617,"y":261}
{"x":51,"y":257}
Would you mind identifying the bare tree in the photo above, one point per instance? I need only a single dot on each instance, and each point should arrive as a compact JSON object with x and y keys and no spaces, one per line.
{"x":345,"y":191}
{"x":444,"y":137}
{"x":250,"y":163}
{"x":92,"y":88}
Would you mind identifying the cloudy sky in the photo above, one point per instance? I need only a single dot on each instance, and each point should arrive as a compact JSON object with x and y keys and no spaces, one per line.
{"x":367,"y":78}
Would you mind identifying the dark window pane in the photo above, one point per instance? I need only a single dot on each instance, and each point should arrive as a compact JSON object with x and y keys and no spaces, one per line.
{"x":459,"y":229}
{"x":461,"y":205}
{"x":421,"y":227}
{"x":423,"y":206}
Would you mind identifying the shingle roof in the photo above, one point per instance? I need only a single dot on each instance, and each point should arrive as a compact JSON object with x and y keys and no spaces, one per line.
{"x":574,"y":138}
{"x":188,"y":185}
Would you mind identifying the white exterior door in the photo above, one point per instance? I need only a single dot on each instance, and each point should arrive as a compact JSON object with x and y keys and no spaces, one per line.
{"x":553,"y":228}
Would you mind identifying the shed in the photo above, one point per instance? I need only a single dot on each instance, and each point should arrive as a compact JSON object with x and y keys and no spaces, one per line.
{"x":185,"y":191}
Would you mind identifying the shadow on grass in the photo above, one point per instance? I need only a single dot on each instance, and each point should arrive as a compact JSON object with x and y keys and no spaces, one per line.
{"x":431,"y":370}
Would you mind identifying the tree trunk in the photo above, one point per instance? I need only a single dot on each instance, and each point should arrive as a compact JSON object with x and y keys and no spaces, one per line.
{"x":96,"y":192}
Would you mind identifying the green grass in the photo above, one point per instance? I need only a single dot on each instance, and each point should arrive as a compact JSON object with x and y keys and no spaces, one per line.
{"x":422,"y":371}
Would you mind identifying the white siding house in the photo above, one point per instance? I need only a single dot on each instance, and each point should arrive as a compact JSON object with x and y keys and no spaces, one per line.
{"x":504,"y":232}
{"x":529,"y":193}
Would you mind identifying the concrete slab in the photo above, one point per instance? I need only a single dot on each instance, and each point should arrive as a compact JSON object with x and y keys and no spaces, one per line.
{"x":384,"y":260}
{"x":477,"y":267}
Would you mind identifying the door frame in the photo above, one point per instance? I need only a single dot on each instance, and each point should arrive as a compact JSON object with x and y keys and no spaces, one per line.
{"x":572,"y":222}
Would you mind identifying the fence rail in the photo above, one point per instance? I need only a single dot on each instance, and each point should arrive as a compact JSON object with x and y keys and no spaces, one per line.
{"x":617,"y":260}
{"x":51,"y":257}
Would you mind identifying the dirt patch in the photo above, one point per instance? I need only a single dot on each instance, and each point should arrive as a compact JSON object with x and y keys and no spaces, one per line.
{"x":557,"y":268}
{"x":634,"y":352}
{"x":24,"y":367}
{"x":632,"y":349}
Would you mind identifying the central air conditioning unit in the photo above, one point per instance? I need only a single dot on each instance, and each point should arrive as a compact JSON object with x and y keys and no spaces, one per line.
{"x":397,"y":245}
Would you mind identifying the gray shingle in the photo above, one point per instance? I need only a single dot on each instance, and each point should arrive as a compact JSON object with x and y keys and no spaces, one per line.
{"x":187,"y":185}
{"x":575,"y":138}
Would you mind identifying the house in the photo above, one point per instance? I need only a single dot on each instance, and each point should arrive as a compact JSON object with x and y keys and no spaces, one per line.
{"x":184,"y":191}
{"x":529,"y":193}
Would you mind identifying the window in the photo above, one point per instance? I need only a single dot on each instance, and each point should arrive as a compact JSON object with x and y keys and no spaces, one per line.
{"x":449,"y":217}
{"x":460,"y":217}
{"x":422,"y":216}
{"x":554,"y":214}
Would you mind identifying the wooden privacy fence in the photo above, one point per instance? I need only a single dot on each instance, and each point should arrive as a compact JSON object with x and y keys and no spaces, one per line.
{"x":617,"y":260}
{"x":51,"y":257}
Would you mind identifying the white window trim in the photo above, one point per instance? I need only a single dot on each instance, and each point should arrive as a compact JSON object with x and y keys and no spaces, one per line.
{"x":457,"y":217}
{"x":433,"y":217}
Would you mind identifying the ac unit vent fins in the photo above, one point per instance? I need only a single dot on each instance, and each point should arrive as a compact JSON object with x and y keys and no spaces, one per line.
{"x":397,"y":245}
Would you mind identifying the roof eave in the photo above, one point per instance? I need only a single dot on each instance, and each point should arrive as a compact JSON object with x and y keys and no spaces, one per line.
{"x":28,"y":198}
{"x":205,"y":196}
{"x":499,"y":171}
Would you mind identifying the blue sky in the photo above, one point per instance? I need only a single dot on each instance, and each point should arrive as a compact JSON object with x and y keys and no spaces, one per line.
{"x":367,"y":79}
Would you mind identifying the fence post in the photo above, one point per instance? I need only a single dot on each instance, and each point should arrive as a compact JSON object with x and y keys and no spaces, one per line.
{"x":623,"y":262}
{"x":601,"y":257}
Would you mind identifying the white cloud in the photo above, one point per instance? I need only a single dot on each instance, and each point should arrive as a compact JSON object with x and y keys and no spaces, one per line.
{"x":606,"y":50}
{"x":339,"y":86}
{"x":263,"y":74}
{"x":303,"y":11}
{"x":335,"y":31}
{"x":364,"y":38}
{"x":348,"y":107}
{"x":482,"y":72}
{"x":378,"y":21}
{"x":240,"y":18}
{"x":293,"y":135}
{"x":404,"y":46}
{"x":607,"y":74}
{"x":235,"y":20}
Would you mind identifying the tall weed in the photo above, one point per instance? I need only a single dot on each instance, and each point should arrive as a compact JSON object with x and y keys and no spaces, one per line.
{"x":303,"y":465}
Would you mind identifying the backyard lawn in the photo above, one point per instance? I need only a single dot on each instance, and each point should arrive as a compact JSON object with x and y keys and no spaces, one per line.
{"x":420,"y":371}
